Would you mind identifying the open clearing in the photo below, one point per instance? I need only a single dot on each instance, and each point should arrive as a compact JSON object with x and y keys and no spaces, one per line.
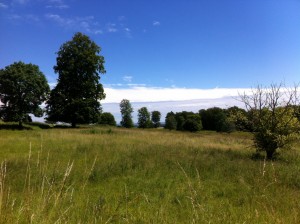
{"x":114,"y":175}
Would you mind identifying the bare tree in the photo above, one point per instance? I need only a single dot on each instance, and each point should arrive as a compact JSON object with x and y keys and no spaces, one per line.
{"x":272,"y":113}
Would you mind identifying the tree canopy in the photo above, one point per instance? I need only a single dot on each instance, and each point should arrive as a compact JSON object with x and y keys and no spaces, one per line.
{"x":126,"y":112}
{"x":144,"y":118}
{"x":213,"y":119}
{"x":23,"y":88}
{"x":188,"y":121}
{"x":75,"y":99}
{"x":107,"y":119}
{"x":170,"y":121}
{"x":155,"y":118}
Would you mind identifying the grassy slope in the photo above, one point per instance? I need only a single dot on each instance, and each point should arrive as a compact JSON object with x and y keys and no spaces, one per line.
{"x":103,"y":175}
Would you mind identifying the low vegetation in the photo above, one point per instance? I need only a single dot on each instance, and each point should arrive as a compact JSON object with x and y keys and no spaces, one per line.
{"x":114,"y":175}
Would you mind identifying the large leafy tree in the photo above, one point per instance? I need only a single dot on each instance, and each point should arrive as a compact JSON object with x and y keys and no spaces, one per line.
{"x":23,"y":88}
{"x":75,"y":99}
{"x":126,"y":112}
{"x":273,"y":114}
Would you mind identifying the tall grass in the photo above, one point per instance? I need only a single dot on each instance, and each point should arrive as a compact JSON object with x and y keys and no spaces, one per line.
{"x":111,"y":175}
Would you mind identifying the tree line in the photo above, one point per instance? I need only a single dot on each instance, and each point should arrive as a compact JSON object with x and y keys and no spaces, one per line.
{"x":272,"y":114}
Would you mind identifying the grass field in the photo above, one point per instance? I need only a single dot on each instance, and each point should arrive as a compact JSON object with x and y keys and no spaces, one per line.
{"x":114,"y":175}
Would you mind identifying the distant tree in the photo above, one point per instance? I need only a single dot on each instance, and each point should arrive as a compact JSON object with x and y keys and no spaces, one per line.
{"x":170,"y":121}
{"x":213,"y":119}
{"x":144,"y":118}
{"x":188,"y":121}
{"x":239,"y":118}
{"x":273,"y":115}
{"x":180,"y":120}
{"x":193,"y":123}
{"x":107,"y":119}
{"x":75,"y":99}
{"x":23,"y":88}
{"x":126,"y":112}
{"x":155,"y":118}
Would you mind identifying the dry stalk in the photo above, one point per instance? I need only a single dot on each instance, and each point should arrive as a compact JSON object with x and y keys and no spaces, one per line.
{"x":90,"y":172}
{"x":66,"y":175}
{"x":193,"y":194}
{"x":2,"y":183}
{"x":27,"y":177}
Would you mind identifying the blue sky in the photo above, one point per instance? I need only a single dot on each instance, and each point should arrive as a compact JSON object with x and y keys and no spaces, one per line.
{"x":162,"y":45}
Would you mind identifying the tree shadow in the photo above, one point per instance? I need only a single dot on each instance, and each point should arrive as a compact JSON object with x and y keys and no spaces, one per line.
{"x":40,"y":125}
{"x":64,"y":127}
{"x":13,"y":127}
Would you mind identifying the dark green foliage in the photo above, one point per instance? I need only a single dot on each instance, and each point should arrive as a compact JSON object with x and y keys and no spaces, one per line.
{"x":188,"y":121}
{"x":107,"y":119}
{"x":180,"y":120}
{"x":76,"y":97}
{"x":296,"y":111}
{"x":13,"y":126}
{"x":227,"y":126}
{"x":23,"y":88}
{"x":183,"y":121}
{"x":170,"y":122}
{"x":144,"y":118}
{"x":213,"y":119}
{"x":126,"y":112}
{"x":155,"y":118}
{"x":193,"y":123}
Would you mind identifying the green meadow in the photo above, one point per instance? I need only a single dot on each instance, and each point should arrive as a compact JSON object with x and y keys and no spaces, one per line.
{"x":112,"y":175}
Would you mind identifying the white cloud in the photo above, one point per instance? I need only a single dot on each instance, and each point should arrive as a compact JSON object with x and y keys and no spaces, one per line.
{"x":58,"y":19}
{"x":32,"y":18}
{"x":22,"y":2}
{"x":15,"y":17}
{"x":176,"y":106}
{"x":152,"y":94}
{"x":125,"y":86}
{"x":111,"y":28}
{"x":98,"y":31}
{"x":3,"y":6}
{"x":59,"y":4}
{"x":52,"y":84}
{"x":127,"y":32}
{"x":127,"y":78}
{"x":29,"y":18}
{"x":168,"y":99}
{"x":86,"y":24}
{"x":121,"y":18}
{"x":156,"y":23}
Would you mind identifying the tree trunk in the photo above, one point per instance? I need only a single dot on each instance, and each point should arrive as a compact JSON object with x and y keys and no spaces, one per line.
{"x":270,"y":154}
{"x":20,"y":124}
{"x":73,"y":124}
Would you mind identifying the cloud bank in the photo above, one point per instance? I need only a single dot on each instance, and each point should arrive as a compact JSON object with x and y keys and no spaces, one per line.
{"x":154,"y":94}
{"x":170,"y":99}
